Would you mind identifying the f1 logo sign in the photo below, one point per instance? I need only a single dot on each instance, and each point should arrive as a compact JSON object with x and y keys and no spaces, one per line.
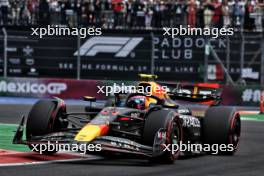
{"x":121,"y":46}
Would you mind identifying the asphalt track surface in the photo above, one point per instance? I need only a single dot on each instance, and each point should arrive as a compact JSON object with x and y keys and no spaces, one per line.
{"x":248,"y":161}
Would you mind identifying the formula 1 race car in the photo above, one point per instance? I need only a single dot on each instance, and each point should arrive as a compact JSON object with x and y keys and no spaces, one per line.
{"x":130,"y":127}
{"x":199,"y":93}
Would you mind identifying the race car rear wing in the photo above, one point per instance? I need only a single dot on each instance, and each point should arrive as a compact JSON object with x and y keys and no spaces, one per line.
{"x":196,"y":98}
{"x":201,"y":93}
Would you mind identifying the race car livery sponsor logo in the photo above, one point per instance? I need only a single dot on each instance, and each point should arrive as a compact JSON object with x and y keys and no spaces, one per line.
{"x":183,"y":111}
{"x":35,"y":88}
{"x":189,"y":121}
{"x":121,"y":46}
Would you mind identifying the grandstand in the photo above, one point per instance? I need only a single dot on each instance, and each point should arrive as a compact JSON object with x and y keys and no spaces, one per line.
{"x":126,"y":14}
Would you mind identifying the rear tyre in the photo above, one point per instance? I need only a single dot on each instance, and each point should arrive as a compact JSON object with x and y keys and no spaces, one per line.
{"x":222,"y":125}
{"x":44,"y":118}
{"x":168,"y":120}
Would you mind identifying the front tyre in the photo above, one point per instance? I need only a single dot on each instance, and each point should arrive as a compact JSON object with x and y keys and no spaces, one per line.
{"x":170,"y":122}
{"x":44,"y":118}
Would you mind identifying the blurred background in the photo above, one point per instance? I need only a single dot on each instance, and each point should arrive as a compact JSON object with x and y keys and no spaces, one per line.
{"x":132,"y":42}
{"x":135,"y":14}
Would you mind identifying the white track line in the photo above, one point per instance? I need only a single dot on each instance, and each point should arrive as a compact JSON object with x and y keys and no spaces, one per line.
{"x":88,"y":158}
{"x":248,"y":112}
{"x":251,"y":119}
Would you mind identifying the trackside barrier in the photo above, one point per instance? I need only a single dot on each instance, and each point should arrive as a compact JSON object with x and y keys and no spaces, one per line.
{"x":76,"y":89}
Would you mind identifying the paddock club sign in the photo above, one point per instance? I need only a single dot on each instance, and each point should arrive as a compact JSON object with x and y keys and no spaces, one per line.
{"x":179,"y":58}
{"x":183,"y":47}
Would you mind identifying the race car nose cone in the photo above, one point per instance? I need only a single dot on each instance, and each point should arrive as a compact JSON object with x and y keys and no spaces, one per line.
{"x":88,"y":133}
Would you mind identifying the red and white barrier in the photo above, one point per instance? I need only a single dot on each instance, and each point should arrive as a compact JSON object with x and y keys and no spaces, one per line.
{"x":261,"y":109}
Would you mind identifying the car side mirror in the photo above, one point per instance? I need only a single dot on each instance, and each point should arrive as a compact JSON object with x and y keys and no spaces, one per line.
{"x":170,"y":105}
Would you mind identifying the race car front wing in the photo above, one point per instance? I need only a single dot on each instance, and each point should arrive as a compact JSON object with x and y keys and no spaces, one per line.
{"x":107,"y":143}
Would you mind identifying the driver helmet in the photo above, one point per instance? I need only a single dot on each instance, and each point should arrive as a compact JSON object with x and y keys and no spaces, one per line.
{"x":137,"y":102}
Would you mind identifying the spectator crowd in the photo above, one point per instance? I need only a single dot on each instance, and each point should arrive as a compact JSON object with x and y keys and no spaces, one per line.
{"x":241,"y":14}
